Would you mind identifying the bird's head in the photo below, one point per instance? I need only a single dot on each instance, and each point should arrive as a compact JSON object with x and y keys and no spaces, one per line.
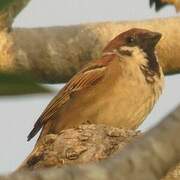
{"x":138,"y":45}
{"x":142,"y":38}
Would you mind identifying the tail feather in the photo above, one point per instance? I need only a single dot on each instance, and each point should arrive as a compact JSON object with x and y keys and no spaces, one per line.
{"x":35,"y":130}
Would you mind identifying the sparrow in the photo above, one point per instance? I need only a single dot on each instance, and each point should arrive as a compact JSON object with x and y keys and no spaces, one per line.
{"x":119,"y":89}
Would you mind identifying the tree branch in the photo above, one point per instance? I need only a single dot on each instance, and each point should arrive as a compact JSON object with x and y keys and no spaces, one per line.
{"x":149,"y":157}
{"x":54,"y":54}
{"x":84,"y":144}
{"x":9,"y":9}
{"x":13,"y":83}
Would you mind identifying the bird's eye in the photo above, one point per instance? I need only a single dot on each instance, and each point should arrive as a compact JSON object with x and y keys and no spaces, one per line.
{"x":131,"y":40}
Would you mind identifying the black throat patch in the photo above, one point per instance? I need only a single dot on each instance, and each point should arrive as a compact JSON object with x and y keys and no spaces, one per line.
{"x":152,"y":68}
{"x":153,"y":63}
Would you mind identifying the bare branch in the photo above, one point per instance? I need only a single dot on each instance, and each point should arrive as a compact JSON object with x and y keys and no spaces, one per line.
{"x":149,"y":157}
{"x":84,"y":144}
{"x":54,"y":54}
{"x":13,"y":83}
{"x":9,"y":10}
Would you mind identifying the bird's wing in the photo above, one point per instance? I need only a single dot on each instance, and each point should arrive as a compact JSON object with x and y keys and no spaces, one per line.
{"x":87,"y":77}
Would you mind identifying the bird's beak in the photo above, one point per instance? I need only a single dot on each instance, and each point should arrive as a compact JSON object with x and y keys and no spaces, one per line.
{"x":154,"y":37}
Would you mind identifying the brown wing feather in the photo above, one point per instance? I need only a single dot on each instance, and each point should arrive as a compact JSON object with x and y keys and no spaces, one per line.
{"x":85,"y":78}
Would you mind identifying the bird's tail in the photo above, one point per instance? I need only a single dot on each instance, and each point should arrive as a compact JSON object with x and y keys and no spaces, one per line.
{"x":35,"y":130}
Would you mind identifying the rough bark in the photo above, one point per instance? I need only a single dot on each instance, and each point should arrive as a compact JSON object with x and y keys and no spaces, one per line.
{"x":173,"y":174}
{"x":84,"y":144}
{"x":54,"y":54}
{"x":9,"y":9}
{"x":89,"y":143}
{"x":147,"y":158}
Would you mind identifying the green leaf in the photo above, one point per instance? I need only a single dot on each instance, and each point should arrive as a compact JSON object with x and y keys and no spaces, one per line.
{"x":19,"y":84}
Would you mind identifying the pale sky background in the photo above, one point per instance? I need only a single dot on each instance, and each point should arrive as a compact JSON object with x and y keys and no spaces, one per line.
{"x":19,"y":113}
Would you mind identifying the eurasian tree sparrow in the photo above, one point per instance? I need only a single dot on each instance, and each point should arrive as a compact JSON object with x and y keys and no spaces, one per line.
{"x":119,"y":89}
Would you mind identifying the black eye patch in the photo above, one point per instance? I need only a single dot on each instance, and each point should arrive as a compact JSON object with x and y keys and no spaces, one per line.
{"x":125,"y":52}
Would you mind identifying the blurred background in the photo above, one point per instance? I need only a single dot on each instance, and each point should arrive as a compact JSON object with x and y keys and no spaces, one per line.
{"x":19,"y":113}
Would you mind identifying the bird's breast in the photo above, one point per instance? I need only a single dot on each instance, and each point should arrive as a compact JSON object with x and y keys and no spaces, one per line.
{"x":127,"y":104}
{"x":121,"y":102}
